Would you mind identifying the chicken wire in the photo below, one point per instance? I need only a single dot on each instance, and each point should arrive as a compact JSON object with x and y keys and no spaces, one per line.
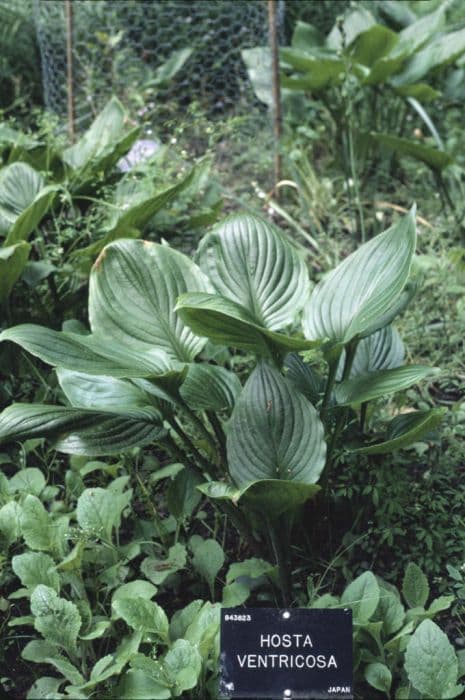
{"x":117,"y":46}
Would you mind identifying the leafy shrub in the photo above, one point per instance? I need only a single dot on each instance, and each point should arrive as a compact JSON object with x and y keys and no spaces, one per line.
{"x":263,"y":447}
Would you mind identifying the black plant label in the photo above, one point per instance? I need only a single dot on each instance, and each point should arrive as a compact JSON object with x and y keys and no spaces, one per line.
{"x":294,"y":653}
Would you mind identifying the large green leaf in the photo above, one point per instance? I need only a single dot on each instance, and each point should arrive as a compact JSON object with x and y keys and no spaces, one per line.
{"x":258,"y":64}
{"x":134,"y":286}
{"x":24,"y":201}
{"x":210,"y":387}
{"x":372,"y":44}
{"x":101,"y":392}
{"x":304,"y":377}
{"x":383,"y":349}
{"x":355,"y":22}
{"x":89,"y":353}
{"x":134,"y":219}
{"x":405,"y":430}
{"x":249,"y":262}
{"x":270,"y":496}
{"x":13,"y":260}
{"x":319,"y":70}
{"x":431,"y":662}
{"x":58,"y":620}
{"x":274,"y":432}
{"x":19,"y":186}
{"x":374,"y":385}
{"x":433,"y":157}
{"x":365,"y":286}
{"x":439,"y":52}
{"x":417,"y":33}
{"x":100,"y":146}
{"x":167,"y":70}
{"x":305,"y":36}
{"x":82,"y":431}
{"x":227,"y":323}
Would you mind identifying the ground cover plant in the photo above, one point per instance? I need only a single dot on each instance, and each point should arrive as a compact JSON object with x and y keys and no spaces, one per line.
{"x":202,"y":410}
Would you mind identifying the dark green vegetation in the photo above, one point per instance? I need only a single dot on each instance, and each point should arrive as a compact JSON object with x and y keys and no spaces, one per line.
{"x":214,"y":396}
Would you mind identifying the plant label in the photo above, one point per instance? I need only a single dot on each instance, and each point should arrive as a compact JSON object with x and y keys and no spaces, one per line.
{"x":295,"y":653}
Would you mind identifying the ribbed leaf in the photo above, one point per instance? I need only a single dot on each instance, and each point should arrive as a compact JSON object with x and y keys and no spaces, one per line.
{"x":417,"y":33}
{"x":210,"y":387}
{"x":24,"y":201}
{"x":373,"y":44}
{"x":272,"y":496}
{"x":405,"y":430}
{"x":13,"y":260}
{"x":319,"y":70}
{"x":381,"y":350}
{"x":227,"y":323}
{"x":81,"y":431}
{"x":274,"y":432}
{"x":355,"y":22}
{"x":137,"y":216}
{"x":19,"y":186}
{"x":304,"y":377}
{"x":88,"y":353}
{"x":433,"y":157}
{"x":249,"y":262}
{"x":365,"y":286}
{"x":134,"y":286}
{"x":95,"y":392}
{"x":439,"y":52}
{"x":100,"y":138}
{"x":373,"y":385}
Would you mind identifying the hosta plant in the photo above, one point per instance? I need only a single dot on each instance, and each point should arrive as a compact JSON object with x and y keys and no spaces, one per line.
{"x":261,"y":443}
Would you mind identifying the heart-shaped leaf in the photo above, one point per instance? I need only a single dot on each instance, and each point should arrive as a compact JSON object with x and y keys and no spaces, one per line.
{"x":405,"y":430}
{"x":365,"y":286}
{"x":225,"y":322}
{"x":134,"y":286}
{"x":373,"y":385}
{"x":24,"y":201}
{"x":250,"y":263}
{"x":274,"y":432}
{"x":210,"y":387}
{"x":81,"y":431}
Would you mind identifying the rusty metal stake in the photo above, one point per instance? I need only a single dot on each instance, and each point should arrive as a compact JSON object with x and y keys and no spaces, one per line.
{"x":69,"y":68}
{"x":276,"y":89}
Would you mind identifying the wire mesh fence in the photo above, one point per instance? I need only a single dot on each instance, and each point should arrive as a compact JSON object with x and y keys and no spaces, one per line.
{"x":120,"y":47}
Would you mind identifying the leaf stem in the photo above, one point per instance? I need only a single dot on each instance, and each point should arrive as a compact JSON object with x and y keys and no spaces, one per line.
{"x":278,"y":535}
{"x":199,"y":425}
{"x":332,"y":371}
{"x":220,"y":436}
